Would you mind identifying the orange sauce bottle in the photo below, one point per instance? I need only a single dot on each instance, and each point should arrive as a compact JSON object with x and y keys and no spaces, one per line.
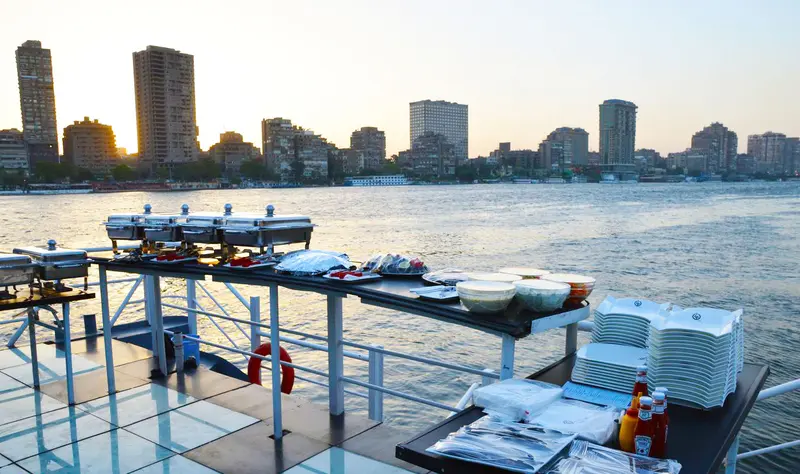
{"x":645,"y":428}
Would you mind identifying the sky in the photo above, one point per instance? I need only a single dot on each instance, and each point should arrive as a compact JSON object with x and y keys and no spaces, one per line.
{"x":523,"y":67}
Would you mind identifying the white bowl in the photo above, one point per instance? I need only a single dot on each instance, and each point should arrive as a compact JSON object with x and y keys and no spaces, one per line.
{"x":542,"y":295}
{"x":501,"y":277}
{"x":485,"y":296}
{"x":525,"y":273}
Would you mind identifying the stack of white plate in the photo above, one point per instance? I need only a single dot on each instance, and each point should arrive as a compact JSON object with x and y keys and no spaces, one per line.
{"x":626,"y":321}
{"x":697,"y":353}
{"x":608,"y":366}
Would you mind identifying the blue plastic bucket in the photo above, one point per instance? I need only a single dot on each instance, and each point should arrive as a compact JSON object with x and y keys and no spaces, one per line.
{"x":190,"y":348}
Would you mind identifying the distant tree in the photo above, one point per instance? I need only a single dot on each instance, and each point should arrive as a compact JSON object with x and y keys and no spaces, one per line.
{"x":390,"y":167}
{"x":123,"y":173}
{"x":47,"y":172}
{"x":253,"y":169}
{"x":466,"y":174}
{"x":298,"y":170}
{"x":81,"y":174}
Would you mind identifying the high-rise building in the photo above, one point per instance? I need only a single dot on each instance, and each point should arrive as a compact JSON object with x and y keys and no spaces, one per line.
{"x":290,"y":150}
{"x":38,"y":102}
{"x":231,"y":151}
{"x":13,"y":154}
{"x":721,"y":147}
{"x":769,"y":150}
{"x":515,"y":162}
{"x":565,"y":148}
{"x":447,"y":118}
{"x":649,"y":158}
{"x":617,"y":135}
{"x":368,"y":147}
{"x":792,"y":161}
{"x":431,"y":155}
{"x":166,"y":119}
{"x":90,"y":145}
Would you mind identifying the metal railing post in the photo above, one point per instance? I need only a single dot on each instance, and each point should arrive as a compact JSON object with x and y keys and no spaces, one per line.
{"x":487,"y":380}
{"x":376,"y":378}
{"x":191,"y":299}
{"x":126,"y":300}
{"x":255,"y":316}
{"x":107,"y":324}
{"x":730,"y":460}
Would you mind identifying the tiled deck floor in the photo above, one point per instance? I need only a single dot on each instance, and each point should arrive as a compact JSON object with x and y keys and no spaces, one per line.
{"x":199,"y":422}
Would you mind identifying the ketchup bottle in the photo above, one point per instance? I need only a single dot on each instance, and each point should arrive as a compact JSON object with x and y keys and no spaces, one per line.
{"x":660,"y":436}
{"x":645,"y":428}
{"x":640,"y":387}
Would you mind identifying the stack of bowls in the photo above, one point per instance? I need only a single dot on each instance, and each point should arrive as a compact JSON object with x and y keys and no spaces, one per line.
{"x":485,"y":296}
{"x":525,"y":273}
{"x":501,"y":277}
{"x":542,"y":295}
{"x":582,"y":286}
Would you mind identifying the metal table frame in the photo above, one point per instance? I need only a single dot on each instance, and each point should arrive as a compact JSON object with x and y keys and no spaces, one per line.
{"x":334,"y":292}
{"x":30,"y":304}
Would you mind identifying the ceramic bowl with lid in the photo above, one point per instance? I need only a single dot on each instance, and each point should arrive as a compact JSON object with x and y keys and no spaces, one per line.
{"x":525,"y":273}
{"x":542,"y":295}
{"x":485,"y":296}
{"x":499,"y":277}
{"x":582,"y":286}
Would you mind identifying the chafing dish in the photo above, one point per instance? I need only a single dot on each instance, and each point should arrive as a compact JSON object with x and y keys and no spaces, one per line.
{"x":57,"y":263}
{"x":16,"y":270}
{"x":127,"y":226}
{"x":165,"y":228}
{"x":203,"y":228}
{"x":267,"y":230}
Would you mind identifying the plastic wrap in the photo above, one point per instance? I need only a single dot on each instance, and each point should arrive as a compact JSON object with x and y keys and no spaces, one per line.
{"x":313,"y":262}
{"x":589,"y":422}
{"x":447,"y":277}
{"x":513,"y":446}
{"x":591,"y":458}
{"x":515,"y":399}
{"x":394,"y":264}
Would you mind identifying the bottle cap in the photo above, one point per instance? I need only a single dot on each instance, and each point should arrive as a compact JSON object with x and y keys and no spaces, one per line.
{"x":645,"y":401}
{"x":659,"y":396}
{"x":641,"y":368}
{"x":663,"y":390}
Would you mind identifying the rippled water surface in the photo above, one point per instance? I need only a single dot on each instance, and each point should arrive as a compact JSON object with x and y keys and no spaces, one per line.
{"x":724,"y":245}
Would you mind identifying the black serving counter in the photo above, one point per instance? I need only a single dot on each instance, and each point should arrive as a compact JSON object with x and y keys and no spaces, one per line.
{"x":698,"y":439}
{"x":391,"y":293}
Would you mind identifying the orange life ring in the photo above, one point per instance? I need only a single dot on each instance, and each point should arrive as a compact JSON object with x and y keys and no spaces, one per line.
{"x":254,"y":367}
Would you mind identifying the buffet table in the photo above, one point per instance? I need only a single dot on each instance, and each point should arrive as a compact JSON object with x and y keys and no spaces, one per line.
{"x":29,"y":299}
{"x":393,"y":294}
{"x":699,"y":440}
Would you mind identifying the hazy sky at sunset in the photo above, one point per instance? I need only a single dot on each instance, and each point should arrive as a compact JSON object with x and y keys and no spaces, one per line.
{"x":524,"y":67}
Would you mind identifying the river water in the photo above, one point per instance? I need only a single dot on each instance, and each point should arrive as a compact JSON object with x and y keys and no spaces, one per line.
{"x":711,"y":244}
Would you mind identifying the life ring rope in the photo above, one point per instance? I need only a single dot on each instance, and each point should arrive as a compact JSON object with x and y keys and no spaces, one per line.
{"x":254,"y":367}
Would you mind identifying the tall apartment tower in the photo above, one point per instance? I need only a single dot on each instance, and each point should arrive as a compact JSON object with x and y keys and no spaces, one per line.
{"x":369,"y":144}
{"x":447,"y":118}
{"x":90,"y":145}
{"x":166,"y":120}
{"x":721,"y":147}
{"x":38,"y":102}
{"x":769,"y":150}
{"x":617,"y":135}
{"x":565,"y":147}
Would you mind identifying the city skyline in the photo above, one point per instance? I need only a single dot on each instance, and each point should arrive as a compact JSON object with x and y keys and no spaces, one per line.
{"x":677,"y":86}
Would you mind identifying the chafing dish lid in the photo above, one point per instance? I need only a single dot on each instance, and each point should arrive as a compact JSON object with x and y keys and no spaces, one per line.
{"x":168,"y":218}
{"x":132,"y":218}
{"x":205,"y":218}
{"x":10,"y":259}
{"x":265,"y":220}
{"x":51,"y":251}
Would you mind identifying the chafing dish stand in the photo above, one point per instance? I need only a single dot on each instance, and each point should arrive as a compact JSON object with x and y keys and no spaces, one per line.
{"x":30,"y":300}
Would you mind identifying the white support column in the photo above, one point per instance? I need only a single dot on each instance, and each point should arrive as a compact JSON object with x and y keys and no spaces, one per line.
{"x":275,"y":355}
{"x":34,"y":352}
{"x":255,"y":316}
{"x":191,"y":303}
{"x":112,"y":387}
{"x":572,"y":339}
{"x":730,"y":460}
{"x":507,"y":357}
{"x":157,"y":322}
{"x":335,"y":356}
{"x":376,"y":378}
{"x":68,"y":354}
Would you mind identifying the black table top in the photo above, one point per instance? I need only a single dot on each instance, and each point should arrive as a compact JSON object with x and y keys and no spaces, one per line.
{"x":390,"y":293}
{"x":698,"y":439}
{"x":28,"y":299}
